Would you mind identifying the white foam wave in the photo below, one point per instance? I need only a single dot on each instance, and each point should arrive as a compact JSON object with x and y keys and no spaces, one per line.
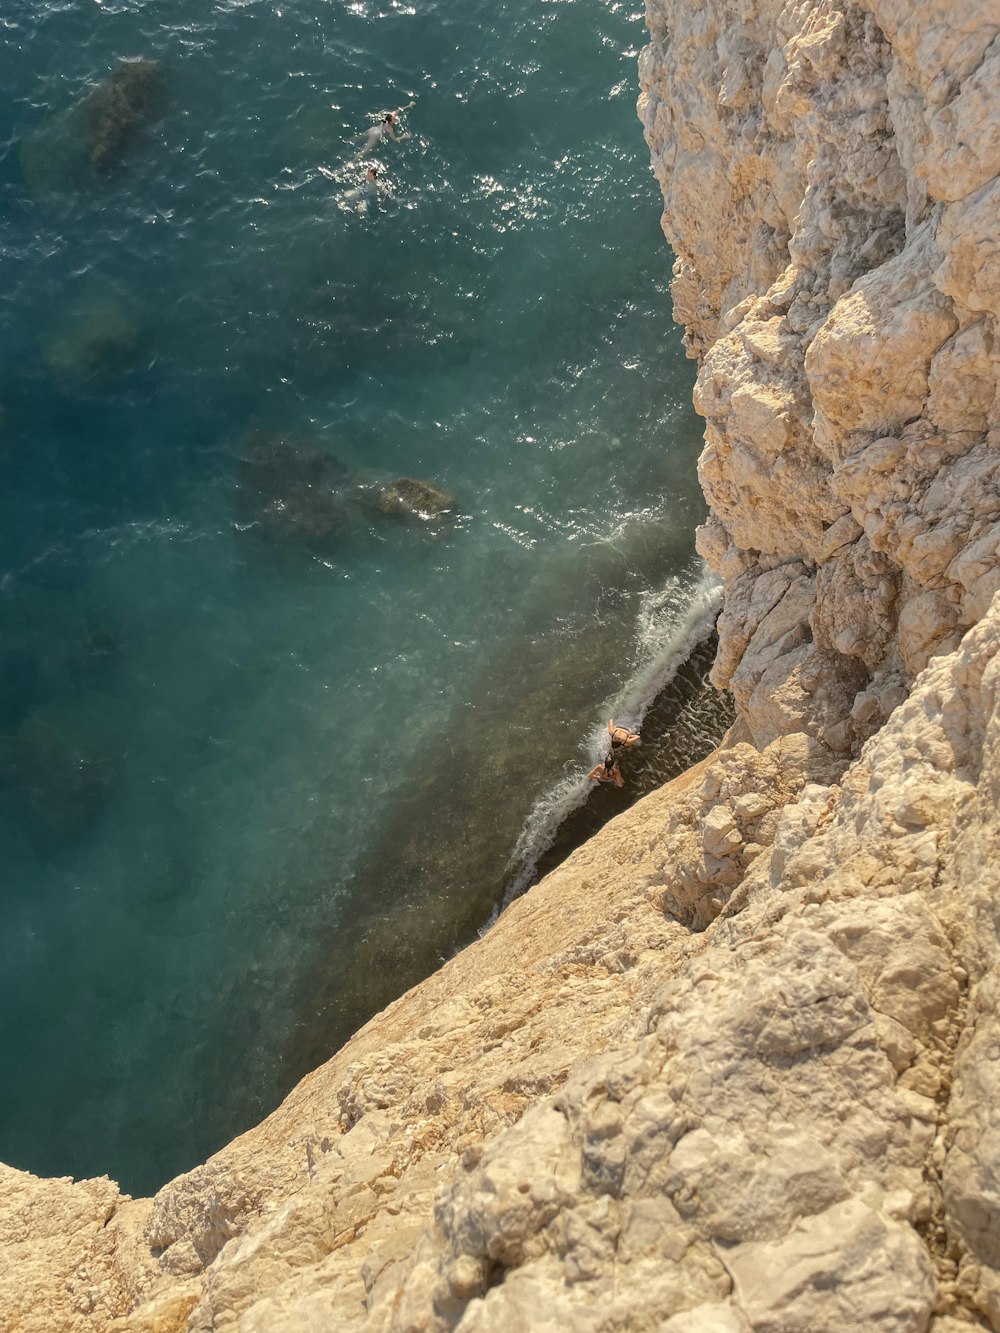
{"x":672,"y":622}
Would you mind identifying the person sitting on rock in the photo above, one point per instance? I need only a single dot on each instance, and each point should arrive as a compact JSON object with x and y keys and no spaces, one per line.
{"x":608,"y":771}
{"x":621,"y":737}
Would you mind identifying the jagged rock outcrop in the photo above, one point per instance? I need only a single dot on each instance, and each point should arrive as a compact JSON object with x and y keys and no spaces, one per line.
{"x":732,"y":1067}
{"x":600,"y":1118}
{"x":830,"y":178}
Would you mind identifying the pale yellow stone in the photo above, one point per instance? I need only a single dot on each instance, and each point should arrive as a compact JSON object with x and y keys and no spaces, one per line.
{"x":734,"y":1066}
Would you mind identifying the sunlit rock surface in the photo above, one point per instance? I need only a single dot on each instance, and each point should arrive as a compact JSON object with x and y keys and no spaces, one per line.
{"x":732,"y":1066}
{"x":830,"y":183}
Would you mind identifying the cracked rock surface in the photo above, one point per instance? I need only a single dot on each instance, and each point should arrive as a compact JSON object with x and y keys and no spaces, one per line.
{"x":734,"y":1067}
{"x":670,"y":1089}
{"x":830,"y":181}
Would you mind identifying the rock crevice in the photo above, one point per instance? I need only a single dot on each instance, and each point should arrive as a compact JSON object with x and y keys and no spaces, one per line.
{"x":733,"y":1067}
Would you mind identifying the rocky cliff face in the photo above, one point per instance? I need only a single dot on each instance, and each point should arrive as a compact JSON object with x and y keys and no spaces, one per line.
{"x":829,"y":173}
{"x":734,"y":1066}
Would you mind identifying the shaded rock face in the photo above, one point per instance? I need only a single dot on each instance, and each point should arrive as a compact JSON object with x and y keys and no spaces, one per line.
{"x":830,"y":187}
{"x":292,"y":490}
{"x":116,"y":110}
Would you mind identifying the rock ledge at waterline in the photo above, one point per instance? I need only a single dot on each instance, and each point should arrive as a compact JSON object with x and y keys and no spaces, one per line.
{"x":733,"y":1066}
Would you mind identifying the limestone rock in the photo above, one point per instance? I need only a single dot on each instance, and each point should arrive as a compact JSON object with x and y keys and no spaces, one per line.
{"x":731,"y":1067}
{"x":830,"y":189}
{"x":782,"y":1118}
{"x":57,"y":1256}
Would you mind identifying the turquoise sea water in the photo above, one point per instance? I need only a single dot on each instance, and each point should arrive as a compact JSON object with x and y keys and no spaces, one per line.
{"x":264,"y":752}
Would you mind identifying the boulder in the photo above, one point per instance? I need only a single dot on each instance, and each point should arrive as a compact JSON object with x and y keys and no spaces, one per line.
{"x":410,"y":500}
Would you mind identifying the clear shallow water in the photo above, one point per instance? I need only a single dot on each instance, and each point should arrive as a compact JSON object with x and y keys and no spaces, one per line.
{"x":248,"y":790}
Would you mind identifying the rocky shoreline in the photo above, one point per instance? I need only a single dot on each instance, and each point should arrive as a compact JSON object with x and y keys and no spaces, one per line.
{"x":731,"y":1066}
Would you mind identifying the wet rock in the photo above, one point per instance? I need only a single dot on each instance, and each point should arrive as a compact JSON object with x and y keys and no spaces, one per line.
{"x":292,"y":490}
{"x":66,"y":757}
{"x":411,"y":501}
{"x":116,"y":110}
{"x":97,"y":341}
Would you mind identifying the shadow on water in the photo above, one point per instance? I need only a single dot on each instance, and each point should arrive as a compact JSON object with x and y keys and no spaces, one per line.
{"x":440,"y":866}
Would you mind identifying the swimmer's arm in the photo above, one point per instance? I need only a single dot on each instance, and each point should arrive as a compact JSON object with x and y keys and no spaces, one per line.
{"x":594,"y":774}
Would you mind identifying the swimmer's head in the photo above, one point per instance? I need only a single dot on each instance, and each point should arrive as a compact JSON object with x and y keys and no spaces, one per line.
{"x":372,"y":174}
{"x":390,"y":119}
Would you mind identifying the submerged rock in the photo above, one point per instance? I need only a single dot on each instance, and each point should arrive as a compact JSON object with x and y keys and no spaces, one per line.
{"x":290,"y":489}
{"x":66,"y":757}
{"x":410,"y":500}
{"x":62,"y":153}
{"x":119,"y":107}
{"x":96,"y":340}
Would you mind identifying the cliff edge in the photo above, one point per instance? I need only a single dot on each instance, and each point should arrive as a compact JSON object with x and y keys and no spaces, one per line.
{"x":734,"y":1065}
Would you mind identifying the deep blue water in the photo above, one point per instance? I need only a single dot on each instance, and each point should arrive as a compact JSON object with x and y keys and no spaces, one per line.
{"x":241,"y":756}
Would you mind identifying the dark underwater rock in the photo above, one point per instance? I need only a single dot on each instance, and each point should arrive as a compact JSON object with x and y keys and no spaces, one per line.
{"x":119,"y":107}
{"x":63,"y":152}
{"x":66,"y":758}
{"x":410,"y":500}
{"x":99,"y":339}
{"x":292,"y":490}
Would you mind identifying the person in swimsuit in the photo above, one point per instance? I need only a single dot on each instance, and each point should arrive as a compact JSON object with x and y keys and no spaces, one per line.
{"x":621,"y":737}
{"x":607,"y":772}
{"x":371,"y":184}
{"x":385,"y":129}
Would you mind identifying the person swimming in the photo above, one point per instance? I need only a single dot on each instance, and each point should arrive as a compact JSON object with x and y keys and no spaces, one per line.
{"x":363,"y":198}
{"x":385,"y":129}
{"x":608,"y":771}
